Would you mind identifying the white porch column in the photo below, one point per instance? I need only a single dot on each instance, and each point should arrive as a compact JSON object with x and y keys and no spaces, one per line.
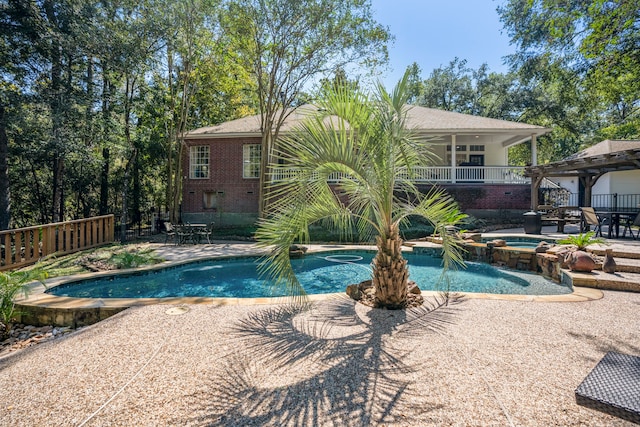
{"x":534,"y":151}
{"x":453,"y":159}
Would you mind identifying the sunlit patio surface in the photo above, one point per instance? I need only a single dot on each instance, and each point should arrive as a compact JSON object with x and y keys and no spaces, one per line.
{"x":473,"y":362}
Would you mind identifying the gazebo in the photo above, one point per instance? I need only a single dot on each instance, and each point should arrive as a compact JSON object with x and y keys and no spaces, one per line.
{"x":588,"y":165}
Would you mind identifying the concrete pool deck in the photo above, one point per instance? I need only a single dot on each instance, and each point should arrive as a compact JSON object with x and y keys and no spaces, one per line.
{"x":474,"y":362}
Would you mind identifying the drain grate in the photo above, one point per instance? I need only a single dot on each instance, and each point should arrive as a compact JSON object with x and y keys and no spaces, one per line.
{"x":176,"y":311}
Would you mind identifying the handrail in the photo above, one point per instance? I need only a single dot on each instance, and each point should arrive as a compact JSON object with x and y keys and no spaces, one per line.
{"x":438,"y":174}
{"x":24,"y":246}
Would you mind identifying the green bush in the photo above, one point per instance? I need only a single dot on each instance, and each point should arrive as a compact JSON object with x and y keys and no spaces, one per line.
{"x":582,"y":240}
{"x":11,"y":284}
{"x":131,"y":259}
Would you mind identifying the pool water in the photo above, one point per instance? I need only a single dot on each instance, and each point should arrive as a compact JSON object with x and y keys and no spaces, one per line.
{"x":520,"y":242}
{"x":319,"y":273}
{"x":530,"y":245}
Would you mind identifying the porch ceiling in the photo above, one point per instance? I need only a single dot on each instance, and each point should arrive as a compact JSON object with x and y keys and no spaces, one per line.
{"x":467,"y":137}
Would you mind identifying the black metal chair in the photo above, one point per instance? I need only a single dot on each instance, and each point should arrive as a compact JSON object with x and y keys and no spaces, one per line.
{"x":206,"y":232}
{"x":631,"y":221}
{"x":183,"y":234}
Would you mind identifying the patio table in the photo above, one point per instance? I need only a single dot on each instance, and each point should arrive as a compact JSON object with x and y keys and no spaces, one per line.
{"x":189,"y":232}
{"x":613,"y":219}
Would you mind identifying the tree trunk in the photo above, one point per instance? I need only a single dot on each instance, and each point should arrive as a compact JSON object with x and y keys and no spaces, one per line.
{"x":390,"y":272}
{"x":104,"y":174}
{"x":56,"y":106}
{"x":58,"y":171}
{"x":5,"y":195}
{"x":264,"y":173}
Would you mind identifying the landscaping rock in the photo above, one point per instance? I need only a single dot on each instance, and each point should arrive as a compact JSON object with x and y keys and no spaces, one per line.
{"x":543,"y":247}
{"x":297,"y":251}
{"x":609,"y":264}
{"x":354,"y":292}
{"x":364,"y":293}
{"x":581,"y":261}
{"x":413,"y":288}
{"x":475,"y":237}
{"x":22,"y":336}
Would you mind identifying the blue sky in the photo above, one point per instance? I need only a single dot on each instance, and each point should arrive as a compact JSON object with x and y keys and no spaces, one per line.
{"x":433,"y":32}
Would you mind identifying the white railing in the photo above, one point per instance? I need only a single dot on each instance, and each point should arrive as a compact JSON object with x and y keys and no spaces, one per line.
{"x":441,"y":174}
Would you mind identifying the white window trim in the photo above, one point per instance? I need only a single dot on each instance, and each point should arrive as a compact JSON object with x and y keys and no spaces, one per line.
{"x":196,"y":155}
{"x":246,"y":161}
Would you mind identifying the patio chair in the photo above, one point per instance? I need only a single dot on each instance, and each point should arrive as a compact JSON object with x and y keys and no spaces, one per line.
{"x":590,"y":218}
{"x":183,"y":233}
{"x":632,"y":221}
{"x":206,"y":232}
{"x":169,"y":231}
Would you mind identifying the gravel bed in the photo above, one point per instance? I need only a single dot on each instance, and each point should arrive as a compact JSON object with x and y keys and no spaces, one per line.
{"x":470,"y":363}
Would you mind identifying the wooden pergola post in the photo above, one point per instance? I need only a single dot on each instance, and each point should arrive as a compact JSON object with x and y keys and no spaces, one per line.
{"x":588,"y":181}
{"x":536,"y":180}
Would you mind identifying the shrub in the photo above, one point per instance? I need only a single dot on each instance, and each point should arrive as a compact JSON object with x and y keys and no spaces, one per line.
{"x":582,"y":240}
{"x":11,"y":284}
{"x":131,"y":259}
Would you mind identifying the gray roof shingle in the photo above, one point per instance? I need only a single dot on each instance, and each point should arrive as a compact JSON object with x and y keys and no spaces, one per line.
{"x":422,"y":119}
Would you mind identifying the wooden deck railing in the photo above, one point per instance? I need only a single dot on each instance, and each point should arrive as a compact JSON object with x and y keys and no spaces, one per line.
{"x":23,"y":246}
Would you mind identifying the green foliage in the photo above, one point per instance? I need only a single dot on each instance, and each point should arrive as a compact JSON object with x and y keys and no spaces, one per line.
{"x":582,"y":240}
{"x":585,"y":56}
{"x":367,"y":143}
{"x":12,"y":283}
{"x":104,"y":258}
{"x":133,"y":258}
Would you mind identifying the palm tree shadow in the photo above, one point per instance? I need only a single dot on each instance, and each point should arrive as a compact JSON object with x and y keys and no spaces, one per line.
{"x":334,"y":363}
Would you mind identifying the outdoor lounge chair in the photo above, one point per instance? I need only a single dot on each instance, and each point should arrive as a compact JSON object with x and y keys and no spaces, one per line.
{"x":590,"y":218}
{"x":613,"y":387}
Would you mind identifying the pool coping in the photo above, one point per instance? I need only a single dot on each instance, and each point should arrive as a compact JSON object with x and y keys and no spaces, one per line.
{"x":38,"y":298}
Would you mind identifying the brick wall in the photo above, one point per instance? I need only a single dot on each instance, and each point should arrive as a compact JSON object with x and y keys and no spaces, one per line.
{"x":236,"y":198}
{"x":489,"y":196}
{"x":232,"y":193}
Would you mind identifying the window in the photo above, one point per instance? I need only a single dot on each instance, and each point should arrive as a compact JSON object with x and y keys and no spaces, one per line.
{"x":199,"y":162}
{"x":476,"y":148}
{"x":251,"y":161}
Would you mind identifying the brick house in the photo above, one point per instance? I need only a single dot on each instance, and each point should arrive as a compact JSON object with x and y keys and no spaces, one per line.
{"x":221,"y":164}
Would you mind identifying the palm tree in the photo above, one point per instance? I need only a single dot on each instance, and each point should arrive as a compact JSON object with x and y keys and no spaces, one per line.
{"x":365,"y":141}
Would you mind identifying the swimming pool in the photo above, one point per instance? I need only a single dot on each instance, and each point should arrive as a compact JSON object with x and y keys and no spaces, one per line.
{"x":519,"y":242}
{"x":320,"y":273}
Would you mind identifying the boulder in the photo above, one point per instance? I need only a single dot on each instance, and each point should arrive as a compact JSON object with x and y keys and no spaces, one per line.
{"x":475,"y":237}
{"x":412,"y":288}
{"x":354,"y":292}
{"x":542,"y":247}
{"x":581,"y":261}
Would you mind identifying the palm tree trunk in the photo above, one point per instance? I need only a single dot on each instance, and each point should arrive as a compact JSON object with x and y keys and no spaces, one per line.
{"x":390,"y":272}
